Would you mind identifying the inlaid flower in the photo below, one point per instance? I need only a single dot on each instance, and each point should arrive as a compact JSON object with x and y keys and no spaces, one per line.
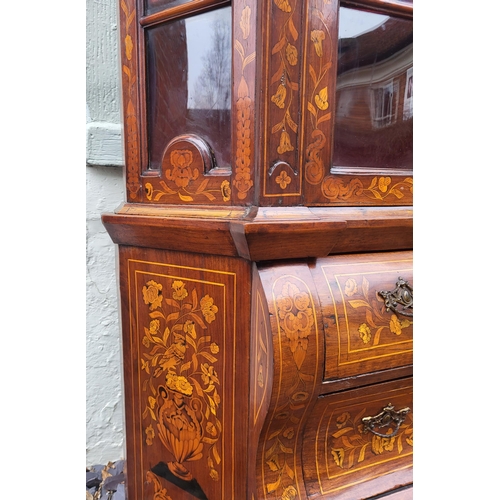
{"x":290,"y":493}
{"x":211,"y":429}
{"x":208,"y":308}
{"x":152,"y":294}
{"x":351,"y":287}
{"x":291,"y":54}
{"x":343,"y":419}
{"x":152,"y":402}
{"x":181,"y":173}
{"x":317,"y":37}
{"x":285,"y":143}
{"x":179,"y":291}
{"x":150,"y":434}
{"x":289,"y":433}
{"x":225,"y":189}
{"x":154,"y":326}
{"x":280,"y":96}
{"x":214,"y":348}
{"x":245,"y":22}
{"x":145,"y":365}
{"x":283,"y":5}
{"x":383,"y":183}
{"x":395,"y":325}
{"x":283,"y":180}
{"x":128,"y":47}
{"x":146,"y":342}
{"x":214,"y":474}
{"x":149,"y":191}
{"x":209,"y":375}
{"x":365,"y":333}
{"x":321,"y":99}
{"x":179,"y":384}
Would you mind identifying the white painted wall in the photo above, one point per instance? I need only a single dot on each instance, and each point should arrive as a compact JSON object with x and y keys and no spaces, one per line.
{"x":105,"y":191}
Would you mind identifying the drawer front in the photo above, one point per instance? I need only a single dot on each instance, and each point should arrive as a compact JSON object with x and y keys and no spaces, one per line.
{"x":367,"y":305}
{"x":359,"y":443}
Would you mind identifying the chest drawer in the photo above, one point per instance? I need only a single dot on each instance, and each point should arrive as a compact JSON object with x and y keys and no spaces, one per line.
{"x":359,"y":443}
{"x":367,"y":306}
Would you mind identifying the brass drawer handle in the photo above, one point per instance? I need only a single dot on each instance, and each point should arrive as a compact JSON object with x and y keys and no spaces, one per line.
{"x":386,"y":417}
{"x":402,"y":295}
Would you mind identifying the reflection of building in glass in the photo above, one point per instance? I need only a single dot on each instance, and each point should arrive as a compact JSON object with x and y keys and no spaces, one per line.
{"x":188,"y":74}
{"x":374,"y":126}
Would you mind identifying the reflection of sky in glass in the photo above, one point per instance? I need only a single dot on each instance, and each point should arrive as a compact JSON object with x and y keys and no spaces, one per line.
{"x":199,"y":37}
{"x":355,"y":22}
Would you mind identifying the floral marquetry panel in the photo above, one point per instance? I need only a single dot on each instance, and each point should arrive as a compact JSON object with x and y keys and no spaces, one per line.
{"x":366,"y":329}
{"x":360,"y":442}
{"x":295,"y":320}
{"x":180,"y":351}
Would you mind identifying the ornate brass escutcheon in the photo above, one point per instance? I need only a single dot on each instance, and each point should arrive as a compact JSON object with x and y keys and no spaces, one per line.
{"x":385,"y":418}
{"x":402,"y":295}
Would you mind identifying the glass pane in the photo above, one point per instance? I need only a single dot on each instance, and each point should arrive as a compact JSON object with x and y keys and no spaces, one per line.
{"x":152,"y":6}
{"x":374,"y":108}
{"x":189,"y":83}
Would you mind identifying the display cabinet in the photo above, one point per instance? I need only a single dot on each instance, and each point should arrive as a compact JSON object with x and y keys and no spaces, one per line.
{"x":265,"y":248}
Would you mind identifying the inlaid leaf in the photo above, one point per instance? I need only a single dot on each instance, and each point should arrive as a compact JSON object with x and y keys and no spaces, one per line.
{"x":239,"y":48}
{"x":358,"y":303}
{"x":190,"y":340}
{"x":273,"y":486}
{"x":156,"y":314}
{"x":376,"y":338}
{"x":279,"y":45}
{"x":277,"y":76}
{"x":290,"y":122}
{"x":184,"y":197}
{"x":397,"y":193}
{"x":249,"y":59}
{"x":172,"y":317}
{"x":210,"y":358}
{"x":208,"y":195}
{"x":202,"y":186}
{"x":351,"y":459}
{"x":293,"y":30}
{"x":341,"y":432}
{"x":289,"y":471}
{"x":185,"y":366}
{"x":277,"y":127}
{"x":198,"y":320}
{"x":166,"y":188}
{"x":362,"y":453}
{"x":311,"y":108}
{"x":359,"y":416}
{"x":285,"y":449}
{"x":324,"y":118}
{"x":312,"y":72}
{"x":170,"y":302}
{"x":369,"y":319}
{"x":216,"y":455}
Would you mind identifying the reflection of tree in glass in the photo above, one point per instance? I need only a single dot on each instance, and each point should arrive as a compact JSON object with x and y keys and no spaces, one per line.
{"x":213,"y":87}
